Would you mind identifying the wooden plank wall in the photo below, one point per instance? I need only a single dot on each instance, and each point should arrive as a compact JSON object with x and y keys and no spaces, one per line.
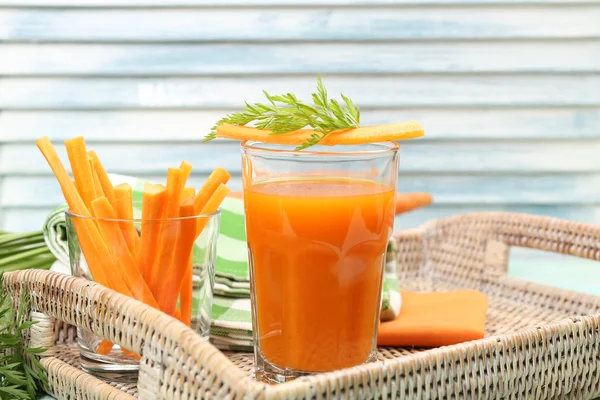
{"x":508,"y":90}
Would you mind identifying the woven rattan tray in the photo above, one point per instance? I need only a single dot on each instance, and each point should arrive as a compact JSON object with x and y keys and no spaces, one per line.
{"x":541,"y":342}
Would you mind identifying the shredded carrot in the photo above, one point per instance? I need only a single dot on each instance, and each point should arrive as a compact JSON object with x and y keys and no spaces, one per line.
{"x":107,"y":187}
{"x":154,"y":201}
{"x":81,"y":168}
{"x":362,"y":135}
{"x":111,"y":232}
{"x":169,"y":229}
{"x":406,"y":202}
{"x":124,"y":208}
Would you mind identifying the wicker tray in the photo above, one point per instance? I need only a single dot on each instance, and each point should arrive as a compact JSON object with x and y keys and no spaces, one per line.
{"x":541,"y":342}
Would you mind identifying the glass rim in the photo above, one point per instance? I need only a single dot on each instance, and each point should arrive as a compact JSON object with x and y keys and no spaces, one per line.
{"x":385,"y":148}
{"x":199,"y":216}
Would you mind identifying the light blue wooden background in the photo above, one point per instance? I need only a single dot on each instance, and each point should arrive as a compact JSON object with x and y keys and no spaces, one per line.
{"x":508,"y":91}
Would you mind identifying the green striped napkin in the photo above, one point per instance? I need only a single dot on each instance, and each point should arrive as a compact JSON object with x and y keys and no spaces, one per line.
{"x":231,"y":326}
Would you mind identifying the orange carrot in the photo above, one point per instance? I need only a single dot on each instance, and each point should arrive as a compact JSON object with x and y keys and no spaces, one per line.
{"x":171,"y":282}
{"x":217,"y":177}
{"x":366,"y":134}
{"x":77,"y":206}
{"x":211,"y":206}
{"x":104,"y":348}
{"x":186,"y":170}
{"x":188,"y":193}
{"x":409,"y":201}
{"x":97,"y":186}
{"x":82,"y":171}
{"x":154,"y":201}
{"x":107,"y":187}
{"x":124,"y":208}
{"x":111,"y":231}
{"x":185,"y":297}
{"x":169,"y":230}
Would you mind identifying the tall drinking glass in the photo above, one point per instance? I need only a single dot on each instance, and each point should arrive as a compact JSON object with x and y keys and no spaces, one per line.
{"x":318,"y":222}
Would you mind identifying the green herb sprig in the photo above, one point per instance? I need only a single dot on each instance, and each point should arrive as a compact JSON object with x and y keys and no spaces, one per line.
{"x":285,"y":113}
{"x":21,"y":374}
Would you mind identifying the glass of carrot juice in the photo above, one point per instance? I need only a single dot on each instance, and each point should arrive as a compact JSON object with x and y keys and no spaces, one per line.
{"x":317,"y":222}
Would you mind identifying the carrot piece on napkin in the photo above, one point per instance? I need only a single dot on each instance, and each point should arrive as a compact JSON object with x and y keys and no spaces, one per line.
{"x":124,"y":208}
{"x":154,"y":201}
{"x":436,"y":319}
{"x":107,"y":187}
{"x":111,"y":231}
{"x":82,"y":171}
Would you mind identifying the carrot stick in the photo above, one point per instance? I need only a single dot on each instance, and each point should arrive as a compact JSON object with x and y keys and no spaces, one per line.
{"x":217,"y":177}
{"x":82,"y":171}
{"x":185,"y":297}
{"x":188,"y":193}
{"x":168,"y":231}
{"x":124,"y":208}
{"x":107,"y":187}
{"x":154,"y":201}
{"x":97,"y":186}
{"x":111,"y":231}
{"x":185,"y":287}
{"x":211,"y":206}
{"x":186,"y":170}
{"x":409,"y":201}
{"x":171,"y":282}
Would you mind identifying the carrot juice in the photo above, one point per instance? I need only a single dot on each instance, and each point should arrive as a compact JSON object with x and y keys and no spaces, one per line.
{"x":317,"y":250}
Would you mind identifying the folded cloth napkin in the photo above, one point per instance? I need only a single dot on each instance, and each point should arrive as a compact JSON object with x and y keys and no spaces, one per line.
{"x":436,"y":319}
{"x":231,"y":326}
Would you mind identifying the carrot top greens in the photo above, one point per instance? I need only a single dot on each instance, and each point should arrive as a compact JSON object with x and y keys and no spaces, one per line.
{"x":285,"y":113}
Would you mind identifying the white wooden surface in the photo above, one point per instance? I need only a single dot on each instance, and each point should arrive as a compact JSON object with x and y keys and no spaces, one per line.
{"x":508,"y":90}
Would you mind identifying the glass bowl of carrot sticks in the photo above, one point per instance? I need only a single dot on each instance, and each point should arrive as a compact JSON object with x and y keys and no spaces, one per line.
{"x":157,"y":246}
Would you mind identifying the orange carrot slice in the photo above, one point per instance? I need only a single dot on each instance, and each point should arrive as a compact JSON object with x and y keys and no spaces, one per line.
{"x":124,"y":208}
{"x":406,"y":202}
{"x":107,"y":187}
{"x":154,"y":201}
{"x":80,"y":166}
{"x":362,"y":135}
{"x":111,"y":232}
{"x":169,"y":229}
{"x":217,"y":177}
